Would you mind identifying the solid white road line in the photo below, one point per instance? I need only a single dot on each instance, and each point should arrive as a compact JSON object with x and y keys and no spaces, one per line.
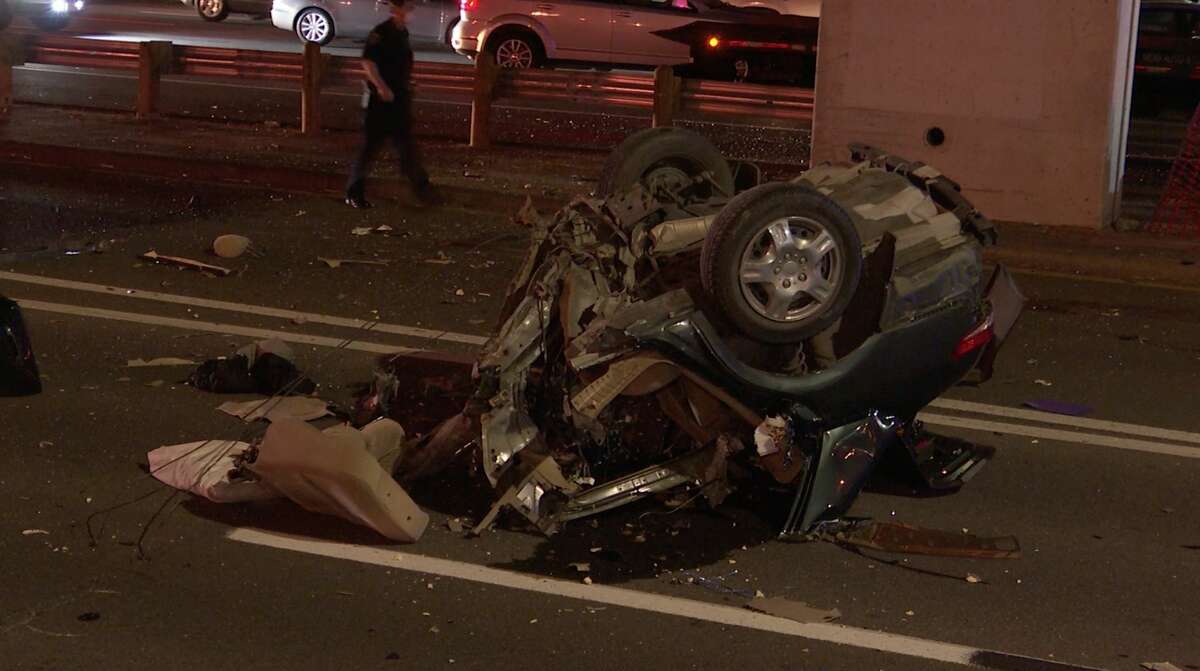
{"x":614,"y":596}
{"x":260,"y":310}
{"x":211,"y":327}
{"x":1066,"y":420}
{"x":1099,"y":440}
{"x":1093,"y":439}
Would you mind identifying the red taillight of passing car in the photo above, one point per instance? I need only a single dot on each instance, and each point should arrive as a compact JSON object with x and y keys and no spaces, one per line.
{"x":978,"y":337}
{"x":468,"y":5}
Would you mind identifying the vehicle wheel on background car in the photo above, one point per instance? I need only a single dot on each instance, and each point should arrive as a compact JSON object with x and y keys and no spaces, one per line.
{"x":666,"y":157}
{"x":212,"y":10}
{"x":782,"y":261}
{"x":51,"y":21}
{"x":516,"y":49}
{"x":314,"y":25}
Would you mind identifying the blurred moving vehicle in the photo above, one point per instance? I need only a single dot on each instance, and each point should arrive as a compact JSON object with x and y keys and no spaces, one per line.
{"x":528,"y":33}
{"x":219,"y":10}
{"x":321,"y":21}
{"x":1167,"y":62}
{"x":790,"y":7}
{"x":44,"y":14}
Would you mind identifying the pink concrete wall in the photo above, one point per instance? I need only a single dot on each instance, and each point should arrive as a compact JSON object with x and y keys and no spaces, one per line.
{"x":1030,"y":94}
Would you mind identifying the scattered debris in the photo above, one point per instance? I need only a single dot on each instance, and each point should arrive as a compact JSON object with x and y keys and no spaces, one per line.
{"x":455,"y":525}
{"x":581,"y":566}
{"x":587,"y":579}
{"x":233,"y":246}
{"x":792,"y":610}
{"x":45,"y":443}
{"x":1059,"y":407}
{"x":35,"y":532}
{"x":90,"y":616}
{"x":459,"y":292}
{"x":909,"y":613}
{"x":161,"y":361}
{"x":1044,"y":383}
{"x":338,"y":263}
{"x":303,"y":408}
{"x":156,"y":383}
{"x":186,"y":263}
{"x":212,"y":469}
{"x":974,"y":579}
{"x":908,"y":539}
{"x":441,"y":259}
{"x":334,"y":472}
{"x":263,"y":367}
{"x":1160,"y":666}
{"x":361,"y":230}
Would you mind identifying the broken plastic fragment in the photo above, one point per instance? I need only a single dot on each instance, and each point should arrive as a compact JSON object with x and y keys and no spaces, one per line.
{"x":186,"y":263}
{"x":337,"y":263}
{"x":792,"y":610}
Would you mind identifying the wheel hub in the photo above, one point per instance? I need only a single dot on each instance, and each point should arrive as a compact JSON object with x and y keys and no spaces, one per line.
{"x":789,"y":269}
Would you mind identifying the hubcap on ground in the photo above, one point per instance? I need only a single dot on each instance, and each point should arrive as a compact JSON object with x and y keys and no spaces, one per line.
{"x":514,"y":54}
{"x":314,"y":27}
{"x":790,"y":270}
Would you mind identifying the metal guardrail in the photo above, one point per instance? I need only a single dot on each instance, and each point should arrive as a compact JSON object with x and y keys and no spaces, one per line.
{"x":666,"y":95}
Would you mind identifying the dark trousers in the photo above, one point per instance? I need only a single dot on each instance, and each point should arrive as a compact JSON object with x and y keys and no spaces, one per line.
{"x":387,"y":121}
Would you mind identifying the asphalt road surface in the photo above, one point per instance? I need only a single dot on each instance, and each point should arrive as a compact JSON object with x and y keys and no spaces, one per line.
{"x":1104,"y":512}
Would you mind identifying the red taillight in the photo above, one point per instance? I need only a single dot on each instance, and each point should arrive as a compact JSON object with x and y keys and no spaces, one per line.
{"x":468,"y":5}
{"x":978,"y":337}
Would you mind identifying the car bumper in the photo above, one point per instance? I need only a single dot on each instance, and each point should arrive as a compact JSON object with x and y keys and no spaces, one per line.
{"x":283,"y":17}
{"x":465,"y":38}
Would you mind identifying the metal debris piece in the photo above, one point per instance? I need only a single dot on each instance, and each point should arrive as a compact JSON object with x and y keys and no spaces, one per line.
{"x":455,"y":525}
{"x":908,"y":539}
{"x":792,"y":610}
{"x":35,"y":532}
{"x":186,"y":263}
{"x":161,"y":361}
{"x":337,"y":263}
{"x":1059,"y":407}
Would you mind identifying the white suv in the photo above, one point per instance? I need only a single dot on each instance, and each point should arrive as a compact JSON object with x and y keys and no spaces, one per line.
{"x":526,"y":33}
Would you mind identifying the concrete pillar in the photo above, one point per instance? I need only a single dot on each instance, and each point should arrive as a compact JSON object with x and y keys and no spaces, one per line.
{"x":1023,"y":102}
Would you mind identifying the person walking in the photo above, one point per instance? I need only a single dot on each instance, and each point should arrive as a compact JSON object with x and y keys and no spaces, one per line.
{"x":387,"y":63}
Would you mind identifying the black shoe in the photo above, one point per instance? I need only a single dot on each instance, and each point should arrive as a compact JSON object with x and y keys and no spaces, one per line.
{"x":358,"y":202}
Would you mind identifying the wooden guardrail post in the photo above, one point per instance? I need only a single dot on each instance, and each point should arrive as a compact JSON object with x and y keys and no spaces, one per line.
{"x":154,"y":58}
{"x":667,"y":89}
{"x":486,"y":74}
{"x":310,"y":89}
{"x":11,"y":53}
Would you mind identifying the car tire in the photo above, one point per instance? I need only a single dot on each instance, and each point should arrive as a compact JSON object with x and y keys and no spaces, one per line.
{"x":314,"y":25}
{"x":665,"y":155}
{"x":51,"y":22}
{"x":449,"y":36}
{"x":212,"y":10}
{"x":6,"y":14}
{"x":782,"y":262}
{"x":516,"y":49}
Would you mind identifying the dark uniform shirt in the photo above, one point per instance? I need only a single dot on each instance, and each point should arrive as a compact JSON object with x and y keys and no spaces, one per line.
{"x":388,"y":48}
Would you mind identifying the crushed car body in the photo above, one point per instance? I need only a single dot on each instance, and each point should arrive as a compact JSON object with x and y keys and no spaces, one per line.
{"x":668,"y":328}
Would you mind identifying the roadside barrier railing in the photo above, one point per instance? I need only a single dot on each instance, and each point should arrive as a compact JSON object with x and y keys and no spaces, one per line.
{"x":661,"y":93}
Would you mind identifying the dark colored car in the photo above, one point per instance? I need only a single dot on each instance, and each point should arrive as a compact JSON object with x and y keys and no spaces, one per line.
{"x":1166,"y":75}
